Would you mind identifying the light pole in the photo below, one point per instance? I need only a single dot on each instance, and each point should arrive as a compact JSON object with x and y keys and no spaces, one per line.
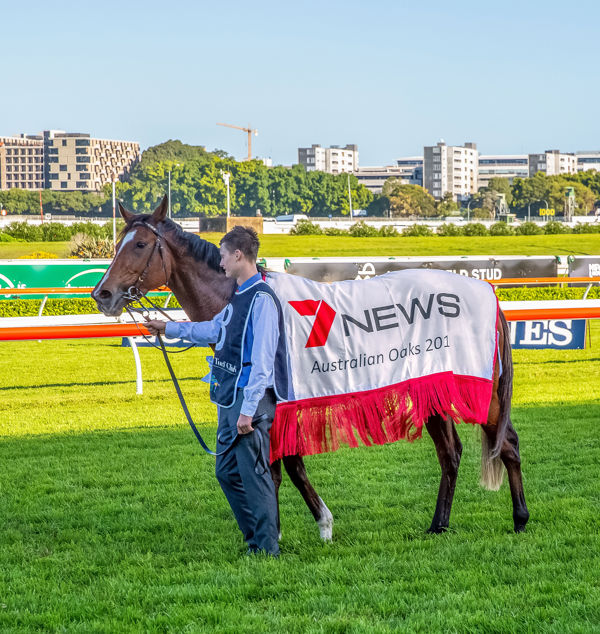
{"x":114,"y":202}
{"x":169,"y":196}
{"x":469,"y":209}
{"x":226,"y":176}
{"x":545,"y":215}
{"x":350,"y":198}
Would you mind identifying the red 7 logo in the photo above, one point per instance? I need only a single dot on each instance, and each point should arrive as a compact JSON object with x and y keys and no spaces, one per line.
{"x":324,"y":316}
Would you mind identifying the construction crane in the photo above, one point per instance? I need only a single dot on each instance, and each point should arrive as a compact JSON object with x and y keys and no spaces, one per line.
{"x":249,"y":131}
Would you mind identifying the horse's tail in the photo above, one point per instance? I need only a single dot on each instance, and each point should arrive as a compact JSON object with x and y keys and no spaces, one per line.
{"x":492,"y":469}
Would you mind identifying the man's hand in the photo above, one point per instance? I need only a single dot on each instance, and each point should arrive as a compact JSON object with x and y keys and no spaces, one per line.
{"x":244,"y":424}
{"x":156,"y":326}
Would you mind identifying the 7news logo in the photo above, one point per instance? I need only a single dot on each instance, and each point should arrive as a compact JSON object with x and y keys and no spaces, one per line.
{"x":324,"y":316}
{"x":377,"y":318}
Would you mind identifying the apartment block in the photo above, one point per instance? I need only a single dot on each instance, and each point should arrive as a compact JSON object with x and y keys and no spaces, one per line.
{"x":552,"y":162}
{"x":75,"y":161}
{"x":450,"y":168}
{"x":21,"y":162}
{"x":373,"y":178}
{"x":63,"y":160}
{"x":588,"y":160}
{"x":412,"y":169}
{"x":333,"y":160}
{"x":509,"y":166}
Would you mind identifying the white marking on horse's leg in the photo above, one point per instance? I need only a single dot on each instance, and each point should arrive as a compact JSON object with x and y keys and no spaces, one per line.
{"x":325,"y":523}
{"x":279,"y":536}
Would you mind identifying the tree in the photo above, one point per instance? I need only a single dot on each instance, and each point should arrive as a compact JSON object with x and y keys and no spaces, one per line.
{"x":408,"y":200}
{"x":447,"y":205}
{"x":539,"y":189}
{"x":501,"y":186}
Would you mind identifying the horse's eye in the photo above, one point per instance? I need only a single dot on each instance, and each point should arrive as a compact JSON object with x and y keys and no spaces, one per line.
{"x":140,"y":245}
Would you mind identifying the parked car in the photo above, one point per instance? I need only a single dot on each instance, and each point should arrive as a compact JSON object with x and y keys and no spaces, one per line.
{"x":293,"y":218}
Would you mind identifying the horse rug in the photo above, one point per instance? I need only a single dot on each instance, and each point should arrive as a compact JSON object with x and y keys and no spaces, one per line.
{"x":371,"y":360}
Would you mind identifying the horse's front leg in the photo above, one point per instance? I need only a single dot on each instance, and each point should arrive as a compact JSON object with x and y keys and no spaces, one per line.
{"x":294,"y":465}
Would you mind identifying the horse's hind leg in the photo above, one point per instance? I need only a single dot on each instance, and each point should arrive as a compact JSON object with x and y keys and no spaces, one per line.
{"x":449,"y":450}
{"x":276,"y":475}
{"x":509,"y":454}
{"x":294,"y":465}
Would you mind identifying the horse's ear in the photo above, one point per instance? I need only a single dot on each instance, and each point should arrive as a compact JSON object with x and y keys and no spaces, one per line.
{"x":160,"y":213}
{"x":128,"y":216}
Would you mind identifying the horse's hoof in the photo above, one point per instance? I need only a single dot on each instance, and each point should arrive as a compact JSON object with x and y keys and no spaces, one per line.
{"x":519,"y":528}
{"x":325,"y":523}
{"x":436,"y":530}
{"x":520,"y":522}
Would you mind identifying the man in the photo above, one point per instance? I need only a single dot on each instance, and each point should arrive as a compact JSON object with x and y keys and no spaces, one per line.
{"x":248,"y":376}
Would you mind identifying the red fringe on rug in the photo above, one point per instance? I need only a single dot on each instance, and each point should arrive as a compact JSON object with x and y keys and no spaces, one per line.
{"x":379,"y":416}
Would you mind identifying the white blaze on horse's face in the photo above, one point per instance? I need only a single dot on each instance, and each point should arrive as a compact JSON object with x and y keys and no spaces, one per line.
{"x":128,"y":238}
{"x":122,"y":273}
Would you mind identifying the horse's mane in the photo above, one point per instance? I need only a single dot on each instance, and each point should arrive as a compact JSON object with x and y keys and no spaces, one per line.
{"x":201,"y":250}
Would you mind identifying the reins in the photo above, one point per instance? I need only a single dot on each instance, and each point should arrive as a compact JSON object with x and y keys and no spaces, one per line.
{"x":134,"y":295}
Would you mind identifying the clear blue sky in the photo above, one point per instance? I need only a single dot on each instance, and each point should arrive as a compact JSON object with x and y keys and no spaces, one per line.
{"x":391,"y":76}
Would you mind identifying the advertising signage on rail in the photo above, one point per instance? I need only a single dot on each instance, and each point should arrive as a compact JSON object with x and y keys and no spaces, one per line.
{"x":482,"y":268}
{"x":586,"y":266}
{"x":49,"y":273}
{"x":560,"y":334}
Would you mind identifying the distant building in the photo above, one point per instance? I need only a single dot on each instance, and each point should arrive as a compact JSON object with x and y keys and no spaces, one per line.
{"x":412,"y":169}
{"x":589,"y":160}
{"x":373,"y":178}
{"x":450,"y":168}
{"x":64,"y":161}
{"x":78,"y":162}
{"x":509,"y":166}
{"x":333,"y":160}
{"x":21,"y":162}
{"x":552,"y":162}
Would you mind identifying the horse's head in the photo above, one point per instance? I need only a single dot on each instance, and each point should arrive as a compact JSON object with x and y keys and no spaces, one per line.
{"x":141,"y":261}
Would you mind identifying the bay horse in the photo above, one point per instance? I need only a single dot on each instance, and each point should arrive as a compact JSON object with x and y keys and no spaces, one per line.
{"x":154,"y":251}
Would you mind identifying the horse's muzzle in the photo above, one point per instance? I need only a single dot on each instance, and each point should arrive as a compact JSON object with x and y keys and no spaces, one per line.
{"x":110,"y":304}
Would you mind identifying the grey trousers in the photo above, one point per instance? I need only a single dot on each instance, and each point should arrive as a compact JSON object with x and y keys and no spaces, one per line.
{"x":245,"y":476}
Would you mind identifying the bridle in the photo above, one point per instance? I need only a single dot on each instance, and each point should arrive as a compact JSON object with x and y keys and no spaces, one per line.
{"x":133,"y":292}
{"x":135,"y":296}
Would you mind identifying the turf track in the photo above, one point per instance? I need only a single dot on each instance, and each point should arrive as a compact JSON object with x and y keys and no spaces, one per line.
{"x":112,"y":519}
{"x":300,"y":246}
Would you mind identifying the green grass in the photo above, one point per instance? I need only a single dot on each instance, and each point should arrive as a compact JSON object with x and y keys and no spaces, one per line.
{"x":15,"y":250}
{"x":322,"y":246}
{"x":112,"y":520}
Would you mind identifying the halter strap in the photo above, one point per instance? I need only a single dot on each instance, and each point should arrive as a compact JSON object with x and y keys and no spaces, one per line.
{"x":134,"y":291}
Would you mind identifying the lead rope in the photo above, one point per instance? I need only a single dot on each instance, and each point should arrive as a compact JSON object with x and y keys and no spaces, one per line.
{"x":184,"y":406}
{"x":204,"y":446}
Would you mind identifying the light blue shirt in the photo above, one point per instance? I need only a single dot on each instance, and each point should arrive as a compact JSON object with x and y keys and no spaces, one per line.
{"x":264,"y":321}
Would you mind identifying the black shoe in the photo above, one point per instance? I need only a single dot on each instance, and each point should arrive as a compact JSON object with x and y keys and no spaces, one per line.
{"x":261,"y":552}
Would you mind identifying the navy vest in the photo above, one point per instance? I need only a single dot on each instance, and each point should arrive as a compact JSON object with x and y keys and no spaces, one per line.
{"x":227,"y":362}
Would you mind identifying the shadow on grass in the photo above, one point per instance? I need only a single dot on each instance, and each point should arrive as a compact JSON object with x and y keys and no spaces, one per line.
{"x":557,"y":361}
{"x":93,"y":383}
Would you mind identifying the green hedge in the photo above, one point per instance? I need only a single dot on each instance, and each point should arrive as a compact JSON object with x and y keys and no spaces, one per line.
{"x":362,"y":230}
{"x":554,"y":292}
{"x":54,"y":306}
{"x":55,"y":231}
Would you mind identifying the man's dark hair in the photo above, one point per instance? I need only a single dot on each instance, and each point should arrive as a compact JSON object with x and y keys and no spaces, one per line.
{"x":243,"y":238}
